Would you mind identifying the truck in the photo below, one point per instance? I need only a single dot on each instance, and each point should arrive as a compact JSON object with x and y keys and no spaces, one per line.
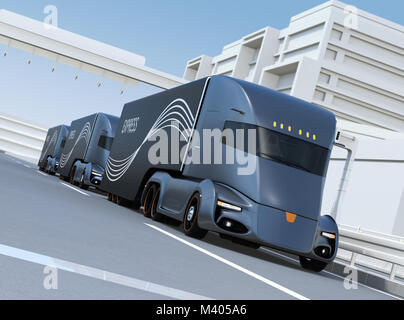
{"x":86,"y":150}
{"x":276,"y":204}
{"x":52,"y":149}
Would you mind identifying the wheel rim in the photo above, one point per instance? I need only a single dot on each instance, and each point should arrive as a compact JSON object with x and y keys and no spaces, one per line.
{"x":191,"y":213}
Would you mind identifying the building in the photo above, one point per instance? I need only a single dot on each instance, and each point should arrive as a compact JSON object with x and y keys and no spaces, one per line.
{"x":336,"y":56}
{"x":352,"y":63}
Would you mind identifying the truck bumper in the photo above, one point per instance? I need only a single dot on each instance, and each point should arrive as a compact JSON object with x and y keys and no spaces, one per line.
{"x":270,"y":227}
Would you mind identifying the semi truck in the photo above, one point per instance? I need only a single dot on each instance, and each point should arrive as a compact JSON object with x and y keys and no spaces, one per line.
{"x":86,"y":150}
{"x":275,"y":204}
{"x":52,"y":149}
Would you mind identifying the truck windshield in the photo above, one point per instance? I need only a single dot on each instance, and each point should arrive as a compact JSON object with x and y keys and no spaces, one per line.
{"x":283,"y":148}
{"x":105,"y":142}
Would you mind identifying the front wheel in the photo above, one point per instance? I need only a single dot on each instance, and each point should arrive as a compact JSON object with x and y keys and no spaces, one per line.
{"x":190,"y":222}
{"x":82,"y":184}
{"x":312,"y":265}
{"x":154,"y":214}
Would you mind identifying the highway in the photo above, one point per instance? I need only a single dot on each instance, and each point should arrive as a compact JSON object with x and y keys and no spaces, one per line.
{"x":105,"y":251}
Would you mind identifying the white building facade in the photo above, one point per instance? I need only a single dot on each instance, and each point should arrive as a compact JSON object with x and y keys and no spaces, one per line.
{"x":349,"y":62}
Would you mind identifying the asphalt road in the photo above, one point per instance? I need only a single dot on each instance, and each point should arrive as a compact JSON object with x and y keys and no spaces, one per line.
{"x":103,"y":251}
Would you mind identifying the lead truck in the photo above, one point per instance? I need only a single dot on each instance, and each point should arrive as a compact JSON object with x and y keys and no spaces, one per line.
{"x":86,"y":150}
{"x":276,"y":205}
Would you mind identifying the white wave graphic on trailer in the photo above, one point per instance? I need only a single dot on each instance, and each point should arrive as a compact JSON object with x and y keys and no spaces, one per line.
{"x":53,"y":140}
{"x":84,"y":134}
{"x":178,"y":112}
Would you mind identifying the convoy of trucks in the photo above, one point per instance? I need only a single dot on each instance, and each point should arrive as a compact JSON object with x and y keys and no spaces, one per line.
{"x":217,"y":154}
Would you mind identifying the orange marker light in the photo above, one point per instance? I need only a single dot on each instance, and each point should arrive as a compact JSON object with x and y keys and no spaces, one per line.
{"x":290,"y":217}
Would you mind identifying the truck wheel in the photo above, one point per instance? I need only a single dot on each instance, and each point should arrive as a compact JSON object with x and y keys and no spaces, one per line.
{"x":312,"y":264}
{"x":72,"y":174}
{"x":82,"y":185}
{"x":190,"y":222}
{"x":154,"y":214}
{"x":148,"y":200}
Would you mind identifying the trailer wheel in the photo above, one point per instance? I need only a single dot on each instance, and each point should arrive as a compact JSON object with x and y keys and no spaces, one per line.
{"x":154,"y":214}
{"x":148,"y":200}
{"x":190,"y":222}
{"x":312,"y":264}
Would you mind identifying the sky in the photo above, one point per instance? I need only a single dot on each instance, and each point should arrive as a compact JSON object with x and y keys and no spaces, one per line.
{"x":167,"y":33}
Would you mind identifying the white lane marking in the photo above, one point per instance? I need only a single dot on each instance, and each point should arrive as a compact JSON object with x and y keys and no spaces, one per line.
{"x":42,"y":173}
{"x":26,"y":166}
{"x":333,"y":274}
{"x":99,"y":274}
{"x":233,"y":265}
{"x":65,"y":184}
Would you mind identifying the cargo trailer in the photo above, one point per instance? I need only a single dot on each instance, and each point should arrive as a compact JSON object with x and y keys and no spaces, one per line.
{"x":52,"y":149}
{"x":87,"y":148}
{"x":277,"y":204}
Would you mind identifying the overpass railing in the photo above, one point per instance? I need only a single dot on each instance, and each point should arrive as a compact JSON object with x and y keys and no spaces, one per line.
{"x":20,"y":138}
{"x":372,"y":250}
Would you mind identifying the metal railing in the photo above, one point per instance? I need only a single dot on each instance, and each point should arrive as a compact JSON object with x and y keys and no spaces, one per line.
{"x":20,"y":138}
{"x":373,"y":250}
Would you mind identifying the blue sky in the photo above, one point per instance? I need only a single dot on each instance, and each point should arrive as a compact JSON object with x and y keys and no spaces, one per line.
{"x":166,"y":32}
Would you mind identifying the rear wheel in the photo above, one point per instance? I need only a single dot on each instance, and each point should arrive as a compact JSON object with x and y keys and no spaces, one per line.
{"x":312,"y":264}
{"x":148,"y":200}
{"x":190,"y":222}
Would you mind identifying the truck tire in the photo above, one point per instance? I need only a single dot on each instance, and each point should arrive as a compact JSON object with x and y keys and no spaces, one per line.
{"x":72,"y":174}
{"x":154,"y":214}
{"x":148,"y":200}
{"x":82,"y":185}
{"x":190,"y":222}
{"x":312,"y":264}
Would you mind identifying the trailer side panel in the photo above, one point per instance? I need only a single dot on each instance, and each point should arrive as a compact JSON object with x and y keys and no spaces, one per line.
{"x":144,"y":124}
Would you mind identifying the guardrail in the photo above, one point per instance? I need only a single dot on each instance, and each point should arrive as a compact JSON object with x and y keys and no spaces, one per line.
{"x":20,"y":138}
{"x":376,"y":251}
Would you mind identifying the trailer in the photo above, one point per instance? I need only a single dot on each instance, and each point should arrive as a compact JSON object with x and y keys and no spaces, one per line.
{"x":271,"y":198}
{"x":87,"y":148}
{"x":52,"y":149}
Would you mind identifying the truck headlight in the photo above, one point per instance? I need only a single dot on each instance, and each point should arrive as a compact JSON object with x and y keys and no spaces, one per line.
{"x":328,"y":235}
{"x":226,"y":205}
{"x":96,"y":174}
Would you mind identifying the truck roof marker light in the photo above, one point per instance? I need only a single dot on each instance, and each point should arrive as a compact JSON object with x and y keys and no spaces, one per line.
{"x":226,"y":205}
{"x":300,"y":132}
{"x":290,"y":129}
{"x":314,"y":137}
{"x":308,"y":134}
{"x":328,"y":235}
{"x":281,"y":125}
{"x":275,"y":124}
{"x":290,"y":217}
